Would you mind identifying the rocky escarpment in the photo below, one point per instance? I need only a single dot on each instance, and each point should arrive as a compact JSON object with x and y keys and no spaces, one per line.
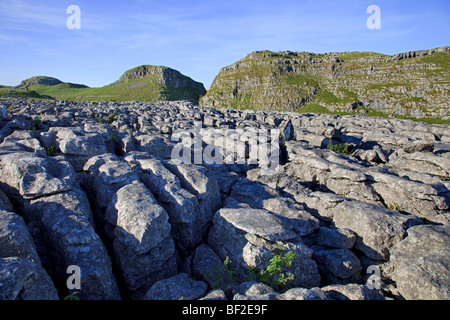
{"x":414,"y":84}
{"x":166,"y":76}
{"x":155,"y":83}
{"x":96,"y":185}
{"x":49,"y":81}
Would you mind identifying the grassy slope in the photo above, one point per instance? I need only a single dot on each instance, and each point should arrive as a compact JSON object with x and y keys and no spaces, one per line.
{"x":146,"y":89}
{"x":12,"y":92}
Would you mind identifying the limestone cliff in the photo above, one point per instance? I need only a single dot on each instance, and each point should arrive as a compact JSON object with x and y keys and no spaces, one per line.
{"x":170,"y":83}
{"x":414,"y":84}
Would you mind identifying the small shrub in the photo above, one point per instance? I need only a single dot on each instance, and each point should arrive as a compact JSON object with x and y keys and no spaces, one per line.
{"x":72,"y":296}
{"x":393,"y":206}
{"x":36,"y":124}
{"x":114,"y":137}
{"x":111,"y":117}
{"x":340,"y":148}
{"x":273,"y":275}
{"x":51,"y":151}
{"x":222,"y":274}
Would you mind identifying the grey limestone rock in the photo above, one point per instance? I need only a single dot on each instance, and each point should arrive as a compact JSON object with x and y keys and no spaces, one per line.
{"x":341,"y":263}
{"x":378,"y":229}
{"x":300,"y":294}
{"x":249,"y":237}
{"x":336,"y":238}
{"x":22,"y":276}
{"x":93,"y":184}
{"x":350,"y":292}
{"x":179,"y":287}
{"x":421,"y":263}
{"x":258,"y":195}
{"x":143,"y":247}
{"x":253,"y":290}
{"x":24,"y":279}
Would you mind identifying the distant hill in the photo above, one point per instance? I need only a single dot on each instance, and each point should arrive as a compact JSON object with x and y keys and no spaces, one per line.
{"x":413,"y":84}
{"x":144,"y":83}
{"x":149,"y":83}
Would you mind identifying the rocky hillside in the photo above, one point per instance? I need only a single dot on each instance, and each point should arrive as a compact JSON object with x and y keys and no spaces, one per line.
{"x":357,"y":209}
{"x":156,"y":83}
{"x":144,"y":83}
{"x":414,"y":84}
{"x":48,"y":81}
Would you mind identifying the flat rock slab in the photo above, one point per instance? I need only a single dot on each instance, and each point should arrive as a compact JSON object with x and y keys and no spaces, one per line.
{"x":179,"y":287}
{"x":258,"y":222}
{"x":422,"y":263}
{"x":377,"y":228}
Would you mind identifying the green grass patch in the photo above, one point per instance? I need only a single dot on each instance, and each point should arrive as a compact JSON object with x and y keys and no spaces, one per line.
{"x":10,"y":92}
{"x":293,"y":79}
{"x":242,"y":101}
{"x":327,"y":97}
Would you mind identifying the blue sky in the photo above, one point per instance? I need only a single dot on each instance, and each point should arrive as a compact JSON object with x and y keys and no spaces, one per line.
{"x":199,"y":37}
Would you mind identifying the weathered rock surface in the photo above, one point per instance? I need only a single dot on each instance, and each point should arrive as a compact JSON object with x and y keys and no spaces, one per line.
{"x":421,"y":263}
{"x":179,"y":287}
{"x":105,"y":194}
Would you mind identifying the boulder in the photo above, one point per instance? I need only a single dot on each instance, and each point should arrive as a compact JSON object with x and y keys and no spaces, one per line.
{"x":24,"y":279}
{"x":208,"y":267}
{"x":201,"y":183}
{"x":189,"y":224}
{"x":215,"y":295}
{"x":144,"y":250}
{"x":155,"y":145}
{"x":350,"y":292}
{"x":260,"y":196}
{"x":336,"y":238}
{"x":339,"y":265}
{"x":65,"y":227}
{"x":299,"y":294}
{"x":421,"y":263}
{"x":179,"y":287}
{"x":249,"y":237}
{"x":253,"y":290}
{"x":377,"y":228}
{"x":22,"y":276}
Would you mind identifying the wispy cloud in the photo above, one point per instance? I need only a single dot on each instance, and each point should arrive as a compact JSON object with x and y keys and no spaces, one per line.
{"x":17,"y":14}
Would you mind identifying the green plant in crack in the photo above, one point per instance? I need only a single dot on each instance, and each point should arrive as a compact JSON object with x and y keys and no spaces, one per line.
{"x":273,"y":274}
{"x":51,"y":151}
{"x":393,"y":206}
{"x":221,"y":274}
{"x":36,"y":124}
{"x":72,"y":296}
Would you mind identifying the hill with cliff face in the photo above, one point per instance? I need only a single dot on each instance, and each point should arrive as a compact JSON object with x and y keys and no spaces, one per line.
{"x":157,"y":83}
{"x":413,"y":84}
{"x":145,"y":83}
